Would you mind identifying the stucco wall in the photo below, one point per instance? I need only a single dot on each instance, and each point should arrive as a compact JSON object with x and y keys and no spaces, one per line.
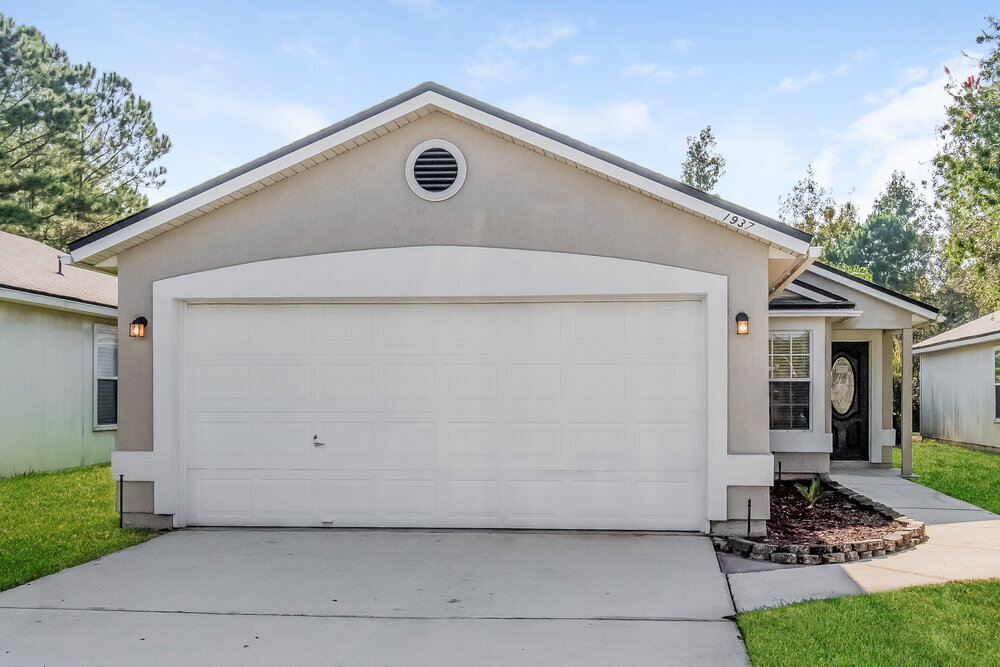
{"x":47,"y":389}
{"x":512,"y":198}
{"x":957,"y":395}
{"x":876,"y":314}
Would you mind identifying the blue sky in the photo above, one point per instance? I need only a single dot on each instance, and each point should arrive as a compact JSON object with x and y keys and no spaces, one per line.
{"x":855,"y":89}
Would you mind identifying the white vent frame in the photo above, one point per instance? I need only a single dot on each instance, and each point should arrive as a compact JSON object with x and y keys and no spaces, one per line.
{"x":441,"y":195}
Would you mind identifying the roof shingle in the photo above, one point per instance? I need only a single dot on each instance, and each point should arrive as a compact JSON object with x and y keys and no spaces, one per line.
{"x":984,"y":326}
{"x":29,"y":266}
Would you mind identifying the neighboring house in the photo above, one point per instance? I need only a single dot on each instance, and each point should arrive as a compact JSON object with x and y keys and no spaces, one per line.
{"x":960,"y":383}
{"x":58,"y":360}
{"x":436,"y":313}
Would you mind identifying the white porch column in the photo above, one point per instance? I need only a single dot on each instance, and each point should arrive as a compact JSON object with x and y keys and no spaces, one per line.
{"x":906,"y":403}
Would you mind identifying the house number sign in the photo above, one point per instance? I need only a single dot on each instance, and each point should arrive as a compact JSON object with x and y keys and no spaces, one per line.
{"x":738,"y":221}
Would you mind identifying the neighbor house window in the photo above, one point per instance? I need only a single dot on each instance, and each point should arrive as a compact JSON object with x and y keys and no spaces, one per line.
{"x":789,"y":357}
{"x":996,"y":382}
{"x":105,"y":376}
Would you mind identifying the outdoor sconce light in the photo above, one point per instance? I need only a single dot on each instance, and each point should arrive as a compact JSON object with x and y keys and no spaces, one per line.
{"x":742,"y":323}
{"x":137,"y":329}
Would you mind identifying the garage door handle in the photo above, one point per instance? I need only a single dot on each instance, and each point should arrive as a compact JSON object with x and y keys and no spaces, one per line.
{"x":317,"y":443}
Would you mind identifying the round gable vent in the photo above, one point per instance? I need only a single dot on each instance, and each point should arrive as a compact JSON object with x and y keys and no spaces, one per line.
{"x":435,"y":170}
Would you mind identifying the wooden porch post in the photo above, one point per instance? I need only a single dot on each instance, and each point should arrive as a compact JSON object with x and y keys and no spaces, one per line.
{"x":906,"y":403}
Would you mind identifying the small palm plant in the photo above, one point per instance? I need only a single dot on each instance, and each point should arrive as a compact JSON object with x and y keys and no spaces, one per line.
{"x":811,"y":493}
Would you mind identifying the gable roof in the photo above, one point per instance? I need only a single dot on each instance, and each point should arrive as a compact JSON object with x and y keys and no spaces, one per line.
{"x":29,"y":272}
{"x":102,"y":245}
{"x":985,"y":329}
{"x":917,"y":308}
{"x":800,"y":295}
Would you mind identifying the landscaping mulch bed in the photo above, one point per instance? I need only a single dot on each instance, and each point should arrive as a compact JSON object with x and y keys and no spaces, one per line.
{"x":835,"y":518}
{"x":843,"y":526}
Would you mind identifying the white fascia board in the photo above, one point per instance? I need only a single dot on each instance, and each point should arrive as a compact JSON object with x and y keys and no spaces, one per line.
{"x":877,"y":294}
{"x":816,"y":312}
{"x":959,"y":343}
{"x":56,"y":303}
{"x":431,"y":98}
{"x":716,"y":213}
{"x":802,"y":290}
{"x":244,"y":180}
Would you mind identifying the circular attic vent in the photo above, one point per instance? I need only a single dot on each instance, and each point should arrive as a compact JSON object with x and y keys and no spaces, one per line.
{"x":435,"y":170}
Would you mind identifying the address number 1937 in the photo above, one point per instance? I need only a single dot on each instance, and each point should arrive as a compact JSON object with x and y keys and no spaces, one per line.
{"x":738,"y":221}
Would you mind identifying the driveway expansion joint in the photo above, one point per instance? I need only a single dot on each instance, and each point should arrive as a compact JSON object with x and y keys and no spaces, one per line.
{"x":655,"y":619}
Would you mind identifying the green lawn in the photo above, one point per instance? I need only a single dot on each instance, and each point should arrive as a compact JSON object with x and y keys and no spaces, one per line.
{"x":946,"y":624}
{"x":54,"y":520}
{"x":967,"y":474}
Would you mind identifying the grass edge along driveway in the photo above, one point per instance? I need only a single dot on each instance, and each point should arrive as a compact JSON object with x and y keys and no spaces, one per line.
{"x":957,"y":623}
{"x":53,"y":520}
{"x":966,"y":474}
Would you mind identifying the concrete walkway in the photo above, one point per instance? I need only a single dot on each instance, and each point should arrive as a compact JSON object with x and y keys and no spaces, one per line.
{"x":964,"y":543}
{"x":220,"y":597}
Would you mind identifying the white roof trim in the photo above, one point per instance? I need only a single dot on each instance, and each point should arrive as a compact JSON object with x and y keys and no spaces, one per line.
{"x":801,"y":290}
{"x":816,"y":312}
{"x":430,"y":101}
{"x":56,"y":303}
{"x":974,"y":340}
{"x":874,"y":293}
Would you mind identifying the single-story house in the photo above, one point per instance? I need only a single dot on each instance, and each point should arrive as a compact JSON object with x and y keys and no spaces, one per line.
{"x":58,"y":360}
{"x":960,"y":384}
{"x":438,"y":314}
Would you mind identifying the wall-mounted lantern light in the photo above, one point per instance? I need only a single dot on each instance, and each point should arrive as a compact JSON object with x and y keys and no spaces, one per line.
{"x":137,"y":329}
{"x":742,"y":323}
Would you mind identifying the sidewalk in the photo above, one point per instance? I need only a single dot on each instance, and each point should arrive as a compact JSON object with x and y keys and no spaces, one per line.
{"x":964,"y":543}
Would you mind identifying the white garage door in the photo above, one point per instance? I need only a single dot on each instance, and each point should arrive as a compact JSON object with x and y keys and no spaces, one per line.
{"x":517,"y":415}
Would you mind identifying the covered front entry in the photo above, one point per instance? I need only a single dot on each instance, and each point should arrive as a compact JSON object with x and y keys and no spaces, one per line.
{"x":531,"y":414}
{"x":849,"y":398}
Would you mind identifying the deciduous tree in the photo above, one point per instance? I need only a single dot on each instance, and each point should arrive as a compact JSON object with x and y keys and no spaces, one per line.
{"x":967,"y":176}
{"x":703,"y":166}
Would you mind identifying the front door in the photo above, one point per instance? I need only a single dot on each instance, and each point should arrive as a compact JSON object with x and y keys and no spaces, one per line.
{"x":849,"y":401}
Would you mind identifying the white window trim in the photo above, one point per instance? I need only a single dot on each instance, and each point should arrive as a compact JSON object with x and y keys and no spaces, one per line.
{"x":809,"y":379}
{"x":996,"y":417}
{"x":99,"y":329}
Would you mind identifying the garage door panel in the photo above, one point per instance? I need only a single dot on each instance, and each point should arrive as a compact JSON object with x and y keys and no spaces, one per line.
{"x":533,"y":415}
{"x":456,"y":499}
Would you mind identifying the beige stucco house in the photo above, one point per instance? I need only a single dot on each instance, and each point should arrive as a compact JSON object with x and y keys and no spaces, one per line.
{"x":960,"y":384}
{"x":436,"y":313}
{"x":58,"y":348}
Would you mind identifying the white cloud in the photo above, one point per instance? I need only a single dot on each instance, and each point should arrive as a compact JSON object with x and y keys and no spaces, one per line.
{"x":898,"y":135}
{"x":284,"y":120}
{"x":289,"y":121}
{"x":662,"y":72}
{"x":304,"y":47}
{"x":655,"y":71}
{"x":531,"y":34}
{"x":498,"y":59}
{"x":622,"y":119}
{"x":759,"y":158}
{"x":907,"y":77}
{"x":580,"y":60}
{"x":791,"y":83}
{"x":495,"y":70}
{"x":681,"y":45}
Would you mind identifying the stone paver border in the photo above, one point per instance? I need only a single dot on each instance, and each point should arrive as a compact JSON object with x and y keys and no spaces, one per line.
{"x":911,"y":534}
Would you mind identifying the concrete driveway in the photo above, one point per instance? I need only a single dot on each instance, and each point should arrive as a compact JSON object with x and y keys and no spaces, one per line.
{"x":381,"y":596}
